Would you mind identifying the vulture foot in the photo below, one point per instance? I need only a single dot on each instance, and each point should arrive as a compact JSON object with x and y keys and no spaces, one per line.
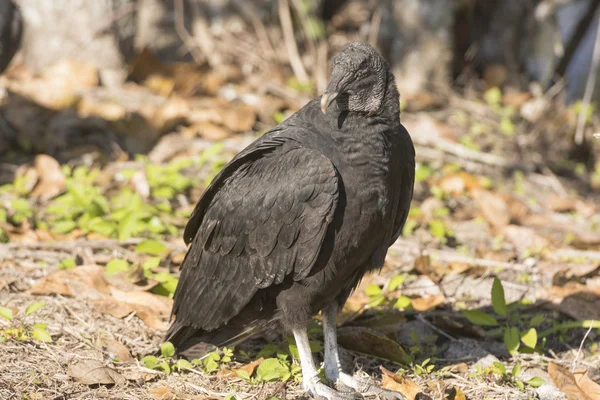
{"x":318,"y":390}
{"x":366,"y":386}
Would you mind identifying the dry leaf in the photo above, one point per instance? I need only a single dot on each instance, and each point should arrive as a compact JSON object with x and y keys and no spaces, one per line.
{"x":588,"y":386}
{"x":113,"y":307}
{"x":51,"y":180}
{"x":159,"y":304}
{"x":116,"y":349}
{"x":387,"y":323}
{"x":120,"y":309}
{"x":86,"y":281}
{"x":566,"y":383}
{"x":93,"y":372}
{"x":460,"y":368}
{"x":248,"y":368}
{"x":428,"y":302}
{"x":458,"y":182}
{"x":207,"y":130}
{"x":372,"y":342}
{"x":493,"y":207}
{"x":400,"y":384}
{"x":162,"y":393}
{"x":456,"y":394}
{"x":524,"y":238}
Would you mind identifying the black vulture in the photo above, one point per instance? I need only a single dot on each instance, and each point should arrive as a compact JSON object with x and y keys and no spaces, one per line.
{"x":10,"y":32}
{"x":290,"y":226}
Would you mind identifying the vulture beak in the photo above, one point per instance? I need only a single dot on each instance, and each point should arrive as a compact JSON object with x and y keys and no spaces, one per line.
{"x":326,"y":100}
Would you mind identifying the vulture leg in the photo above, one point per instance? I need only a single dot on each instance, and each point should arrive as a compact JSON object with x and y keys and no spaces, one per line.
{"x":333,"y":367}
{"x":310,"y":376}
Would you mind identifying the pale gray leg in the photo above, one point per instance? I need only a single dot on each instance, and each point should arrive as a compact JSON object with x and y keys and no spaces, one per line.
{"x":333,"y":367}
{"x":311,"y":382}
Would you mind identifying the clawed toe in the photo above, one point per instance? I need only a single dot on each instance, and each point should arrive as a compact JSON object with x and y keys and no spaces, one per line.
{"x":320,"y":391}
{"x":368,"y":386}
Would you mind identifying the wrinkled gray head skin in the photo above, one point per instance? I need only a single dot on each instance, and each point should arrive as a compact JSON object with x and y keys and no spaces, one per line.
{"x":358,"y":80}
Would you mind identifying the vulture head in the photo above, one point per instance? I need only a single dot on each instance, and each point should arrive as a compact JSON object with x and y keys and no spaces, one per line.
{"x":359,"y":78}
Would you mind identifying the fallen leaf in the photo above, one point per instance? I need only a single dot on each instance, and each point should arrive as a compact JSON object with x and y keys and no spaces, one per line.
{"x":458,"y":182}
{"x":523,"y":237}
{"x":588,"y":386}
{"x":86,"y":281}
{"x":207,"y":130}
{"x":461,"y":368}
{"x":372,"y":342}
{"x":428,"y":302}
{"x":51,"y":180}
{"x":162,"y":393}
{"x":387,"y":323}
{"x":159,"y":304}
{"x":120,"y":309}
{"x":399,"y":383}
{"x":493,"y":207}
{"x":93,"y":372}
{"x":116,"y":349}
{"x":248,"y":368}
{"x":110,"y":306}
{"x":456,"y":394}
{"x":566,"y":383}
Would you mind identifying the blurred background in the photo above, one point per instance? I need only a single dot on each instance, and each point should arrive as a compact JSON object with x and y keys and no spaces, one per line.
{"x":116,"y":114}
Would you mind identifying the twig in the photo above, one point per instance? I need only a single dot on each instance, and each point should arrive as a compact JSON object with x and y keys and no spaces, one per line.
{"x":572,"y":253}
{"x":435,"y":328}
{"x":589,"y":88}
{"x":183,"y":33}
{"x":581,"y":346}
{"x":375,"y":26}
{"x":285,"y":19}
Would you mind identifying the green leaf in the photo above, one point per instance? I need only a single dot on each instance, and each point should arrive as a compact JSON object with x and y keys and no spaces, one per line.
{"x":39,"y":333}
{"x":500,"y":367}
{"x":63,"y":227}
{"x":516,"y":371}
{"x":150,"y":263}
{"x":33,"y":307}
{"x":115,"y":266}
{"x":272,"y":369}
{"x":211,"y":365}
{"x":243,"y":374}
{"x":152,"y":247}
{"x":403,"y":303}
{"x":267,"y":351}
{"x":102,"y":226}
{"x":396,"y":282}
{"x":167,"y":349}
{"x":520,"y":384}
{"x":536,"y":381}
{"x":150,"y":362}
{"x":183,"y":364}
{"x":437,"y":228}
{"x":493,"y":96}
{"x":529,"y":338}
{"x":422,"y":172}
{"x":512,"y":340}
{"x":498,"y":301}
{"x":537,"y":320}
{"x":67,"y":263}
{"x":375,"y":301}
{"x":165,"y":367}
{"x":373,"y":290}
{"x":6,"y":313}
{"x":479,"y":318}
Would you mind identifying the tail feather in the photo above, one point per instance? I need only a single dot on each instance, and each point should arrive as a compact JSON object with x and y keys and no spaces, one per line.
{"x":193,"y":343}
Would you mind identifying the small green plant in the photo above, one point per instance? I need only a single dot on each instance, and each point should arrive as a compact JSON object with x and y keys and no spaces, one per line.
{"x":515,"y":337}
{"x":21,"y":329}
{"x":512,"y":377}
{"x":167,"y":364}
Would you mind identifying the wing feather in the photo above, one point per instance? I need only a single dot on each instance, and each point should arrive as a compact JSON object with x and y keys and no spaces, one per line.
{"x":262,"y":219}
